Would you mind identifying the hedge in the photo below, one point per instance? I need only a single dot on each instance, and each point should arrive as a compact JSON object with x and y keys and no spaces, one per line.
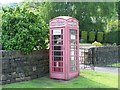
{"x":100,"y":36}
{"x":91,"y":36}
{"x":112,"y":37}
{"x":23,"y":30}
{"x":84,"y":35}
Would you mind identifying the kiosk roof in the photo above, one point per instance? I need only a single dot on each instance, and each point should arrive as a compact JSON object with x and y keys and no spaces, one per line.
{"x":64,"y":17}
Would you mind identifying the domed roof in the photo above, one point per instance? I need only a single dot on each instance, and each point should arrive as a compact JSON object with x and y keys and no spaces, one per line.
{"x":64,"y":17}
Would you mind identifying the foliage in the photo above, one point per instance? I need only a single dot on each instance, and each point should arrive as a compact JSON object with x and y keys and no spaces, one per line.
{"x":119,"y":10}
{"x":84,"y":35}
{"x":118,"y":25}
{"x":112,"y":25}
{"x":112,"y":37}
{"x":100,"y":36}
{"x":93,"y":16}
{"x":92,"y":36}
{"x":23,"y":30}
{"x":87,"y":79}
{"x":115,"y":65}
{"x":41,"y":8}
{"x":1,"y":13}
{"x":97,"y":43}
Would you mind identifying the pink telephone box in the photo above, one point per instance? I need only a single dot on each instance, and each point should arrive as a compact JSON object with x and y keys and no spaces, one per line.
{"x":64,"y":48}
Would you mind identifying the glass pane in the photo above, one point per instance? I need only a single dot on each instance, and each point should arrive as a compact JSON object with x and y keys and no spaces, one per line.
{"x":58,"y":53}
{"x":57,"y":47}
{"x":73,"y":69}
{"x":57,"y":39}
{"x":72,"y":58}
{"x":57,"y":43}
{"x":73,"y":63}
{"x":72,"y":52}
{"x":61,"y":64}
{"x":58,"y":58}
{"x":73,"y":47}
{"x":73,"y":34}
{"x":73,"y":42}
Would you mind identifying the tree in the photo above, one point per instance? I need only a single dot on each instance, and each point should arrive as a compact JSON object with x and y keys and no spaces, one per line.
{"x":119,"y":15}
{"x":1,"y":13}
{"x":23,"y":30}
{"x":93,"y":16}
{"x":119,"y":10}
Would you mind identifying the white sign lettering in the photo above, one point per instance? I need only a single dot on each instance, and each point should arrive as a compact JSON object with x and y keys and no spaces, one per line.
{"x":57,"y":23}
{"x":56,"y":32}
{"x":72,"y":23}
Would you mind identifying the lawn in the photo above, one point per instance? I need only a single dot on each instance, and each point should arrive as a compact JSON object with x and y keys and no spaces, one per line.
{"x":87,"y":79}
{"x":115,"y":65}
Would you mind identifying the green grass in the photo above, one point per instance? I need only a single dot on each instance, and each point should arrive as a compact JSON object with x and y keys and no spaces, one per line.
{"x":115,"y":65}
{"x":86,"y":44}
{"x":87,"y":79}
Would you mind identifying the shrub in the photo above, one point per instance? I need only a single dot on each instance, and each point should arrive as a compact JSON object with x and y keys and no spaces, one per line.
{"x":112,"y":37}
{"x":84,"y":35}
{"x":100,"y":36}
{"x":23,"y":30}
{"x":91,"y":36}
{"x":97,"y":43}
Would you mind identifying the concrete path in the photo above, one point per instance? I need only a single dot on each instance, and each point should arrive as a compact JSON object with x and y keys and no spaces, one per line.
{"x":98,"y":69}
{"x":102,"y":69}
{"x":107,"y":69}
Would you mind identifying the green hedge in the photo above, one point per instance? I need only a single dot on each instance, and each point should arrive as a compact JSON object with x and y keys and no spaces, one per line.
{"x":84,"y":35}
{"x":112,"y":37}
{"x":23,"y":30}
{"x":100,"y":36}
{"x":91,"y":36}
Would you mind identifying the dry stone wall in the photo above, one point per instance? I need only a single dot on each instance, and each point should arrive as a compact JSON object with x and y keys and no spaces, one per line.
{"x":18,"y":67}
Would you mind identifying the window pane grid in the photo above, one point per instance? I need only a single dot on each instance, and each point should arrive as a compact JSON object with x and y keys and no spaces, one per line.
{"x":73,"y":50}
{"x":57,"y":52}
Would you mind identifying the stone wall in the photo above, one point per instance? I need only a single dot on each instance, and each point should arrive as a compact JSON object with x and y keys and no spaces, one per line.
{"x":105,"y":56}
{"x":100,"y":56}
{"x":18,"y":67}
